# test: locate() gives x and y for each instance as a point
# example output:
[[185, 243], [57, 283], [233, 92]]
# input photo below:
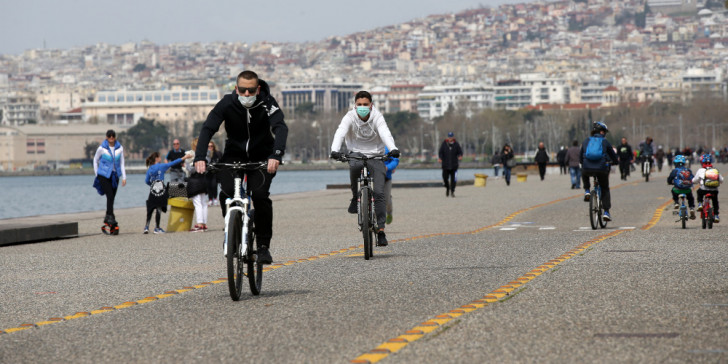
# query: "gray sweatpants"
[[378, 173]]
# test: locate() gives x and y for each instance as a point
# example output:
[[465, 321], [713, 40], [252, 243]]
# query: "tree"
[[89, 149], [140, 67], [145, 137], [402, 122]]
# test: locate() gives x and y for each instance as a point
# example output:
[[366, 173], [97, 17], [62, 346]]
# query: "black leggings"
[[688, 196], [713, 197], [150, 210], [448, 177], [110, 193], [259, 184]]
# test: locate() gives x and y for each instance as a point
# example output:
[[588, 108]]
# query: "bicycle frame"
[[241, 204]]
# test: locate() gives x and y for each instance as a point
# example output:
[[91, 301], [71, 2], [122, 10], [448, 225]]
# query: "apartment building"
[[699, 81], [19, 108], [397, 98], [124, 108], [434, 101], [326, 97]]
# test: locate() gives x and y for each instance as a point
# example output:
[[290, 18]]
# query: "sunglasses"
[[251, 90]]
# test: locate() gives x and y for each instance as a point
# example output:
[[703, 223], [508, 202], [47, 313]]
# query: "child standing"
[[709, 179], [682, 179], [158, 193]]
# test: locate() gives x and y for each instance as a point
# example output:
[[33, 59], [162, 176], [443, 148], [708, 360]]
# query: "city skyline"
[[52, 24]]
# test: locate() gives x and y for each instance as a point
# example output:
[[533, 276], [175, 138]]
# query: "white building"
[[19, 108], [326, 97], [433, 101]]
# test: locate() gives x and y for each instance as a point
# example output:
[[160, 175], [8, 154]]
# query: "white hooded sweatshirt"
[[366, 137]]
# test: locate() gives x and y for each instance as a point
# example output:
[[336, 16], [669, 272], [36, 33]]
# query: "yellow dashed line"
[[393, 345]]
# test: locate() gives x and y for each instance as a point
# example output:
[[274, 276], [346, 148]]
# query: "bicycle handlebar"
[[248, 166], [346, 158]]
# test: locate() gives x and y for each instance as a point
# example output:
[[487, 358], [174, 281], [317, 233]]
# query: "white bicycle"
[[240, 230]]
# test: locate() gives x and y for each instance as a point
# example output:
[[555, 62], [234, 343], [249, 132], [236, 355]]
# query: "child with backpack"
[[158, 192], [681, 178], [709, 179]]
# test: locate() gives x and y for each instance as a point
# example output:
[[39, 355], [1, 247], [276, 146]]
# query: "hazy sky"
[[27, 24]]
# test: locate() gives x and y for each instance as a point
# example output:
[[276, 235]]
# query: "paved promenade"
[[497, 274]]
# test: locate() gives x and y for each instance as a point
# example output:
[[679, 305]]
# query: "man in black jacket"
[[256, 132], [450, 154], [541, 159]]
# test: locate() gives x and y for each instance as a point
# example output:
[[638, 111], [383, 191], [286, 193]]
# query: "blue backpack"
[[683, 178], [594, 149]]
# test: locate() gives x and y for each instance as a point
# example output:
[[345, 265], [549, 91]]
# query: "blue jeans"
[[575, 176], [507, 174]]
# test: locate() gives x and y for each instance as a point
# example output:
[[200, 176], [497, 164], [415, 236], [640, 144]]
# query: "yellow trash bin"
[[181, 213], [521, 177], [480, 180]]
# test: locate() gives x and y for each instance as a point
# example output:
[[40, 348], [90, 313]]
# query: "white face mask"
[[247, 101]]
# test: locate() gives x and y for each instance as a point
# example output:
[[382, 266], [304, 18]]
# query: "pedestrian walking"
[[450, 155], [508, 161], [213, 156], [561, 159], [626, 158], [572, 160], [541, 159], [197, 191], [496, 162]]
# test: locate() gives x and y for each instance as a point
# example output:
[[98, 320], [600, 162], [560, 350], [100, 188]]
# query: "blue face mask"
[[363, 111]]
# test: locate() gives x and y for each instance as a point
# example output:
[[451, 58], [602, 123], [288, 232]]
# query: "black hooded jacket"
[[254, 134]]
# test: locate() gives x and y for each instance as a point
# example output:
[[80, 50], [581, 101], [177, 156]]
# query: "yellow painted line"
[[384, 350], [657, 215]]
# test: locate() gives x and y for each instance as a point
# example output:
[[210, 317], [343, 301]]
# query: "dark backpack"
[[594, 149], [683, 178]]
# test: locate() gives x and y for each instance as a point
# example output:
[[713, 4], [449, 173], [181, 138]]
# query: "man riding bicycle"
[[647, 151], [365, 132], [599, 165], [256, 132]]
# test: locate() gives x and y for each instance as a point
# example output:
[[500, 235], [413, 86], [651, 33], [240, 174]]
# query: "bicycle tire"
[[255, 270], [594, 210], [710, 218], [683, 217], [365, 222], [704, 218], [602, 223], [234, 256]]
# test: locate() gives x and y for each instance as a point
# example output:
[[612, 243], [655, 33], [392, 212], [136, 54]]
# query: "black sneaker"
[[264, 255], [382, 239], [352, 206]]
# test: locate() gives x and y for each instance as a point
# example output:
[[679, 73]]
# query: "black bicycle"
[[240, 230], [365, 201], [596, 219]]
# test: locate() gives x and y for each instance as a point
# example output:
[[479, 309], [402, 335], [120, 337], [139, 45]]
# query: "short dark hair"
[[110, 133], [363, 95], [575, 143], [248, 75]]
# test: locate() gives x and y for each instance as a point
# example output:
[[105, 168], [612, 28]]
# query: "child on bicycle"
[[709, 179], [365, 132], [681, 178], [157, 200]]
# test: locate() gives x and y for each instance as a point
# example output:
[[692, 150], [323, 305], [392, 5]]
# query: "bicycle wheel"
[[234, 255], [704, 218], [600, 217], [365, 222], [683, 216], [255, 270], [710, 218], [594, 210]]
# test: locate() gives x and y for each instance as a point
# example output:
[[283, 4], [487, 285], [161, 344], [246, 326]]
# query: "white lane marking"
[[508, 229], [547, 228], [626, 228]]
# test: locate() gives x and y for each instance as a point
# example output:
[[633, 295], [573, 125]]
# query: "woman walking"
[[197, 192], [158, 193], [108, 165], [213, 156], [508, 162]]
